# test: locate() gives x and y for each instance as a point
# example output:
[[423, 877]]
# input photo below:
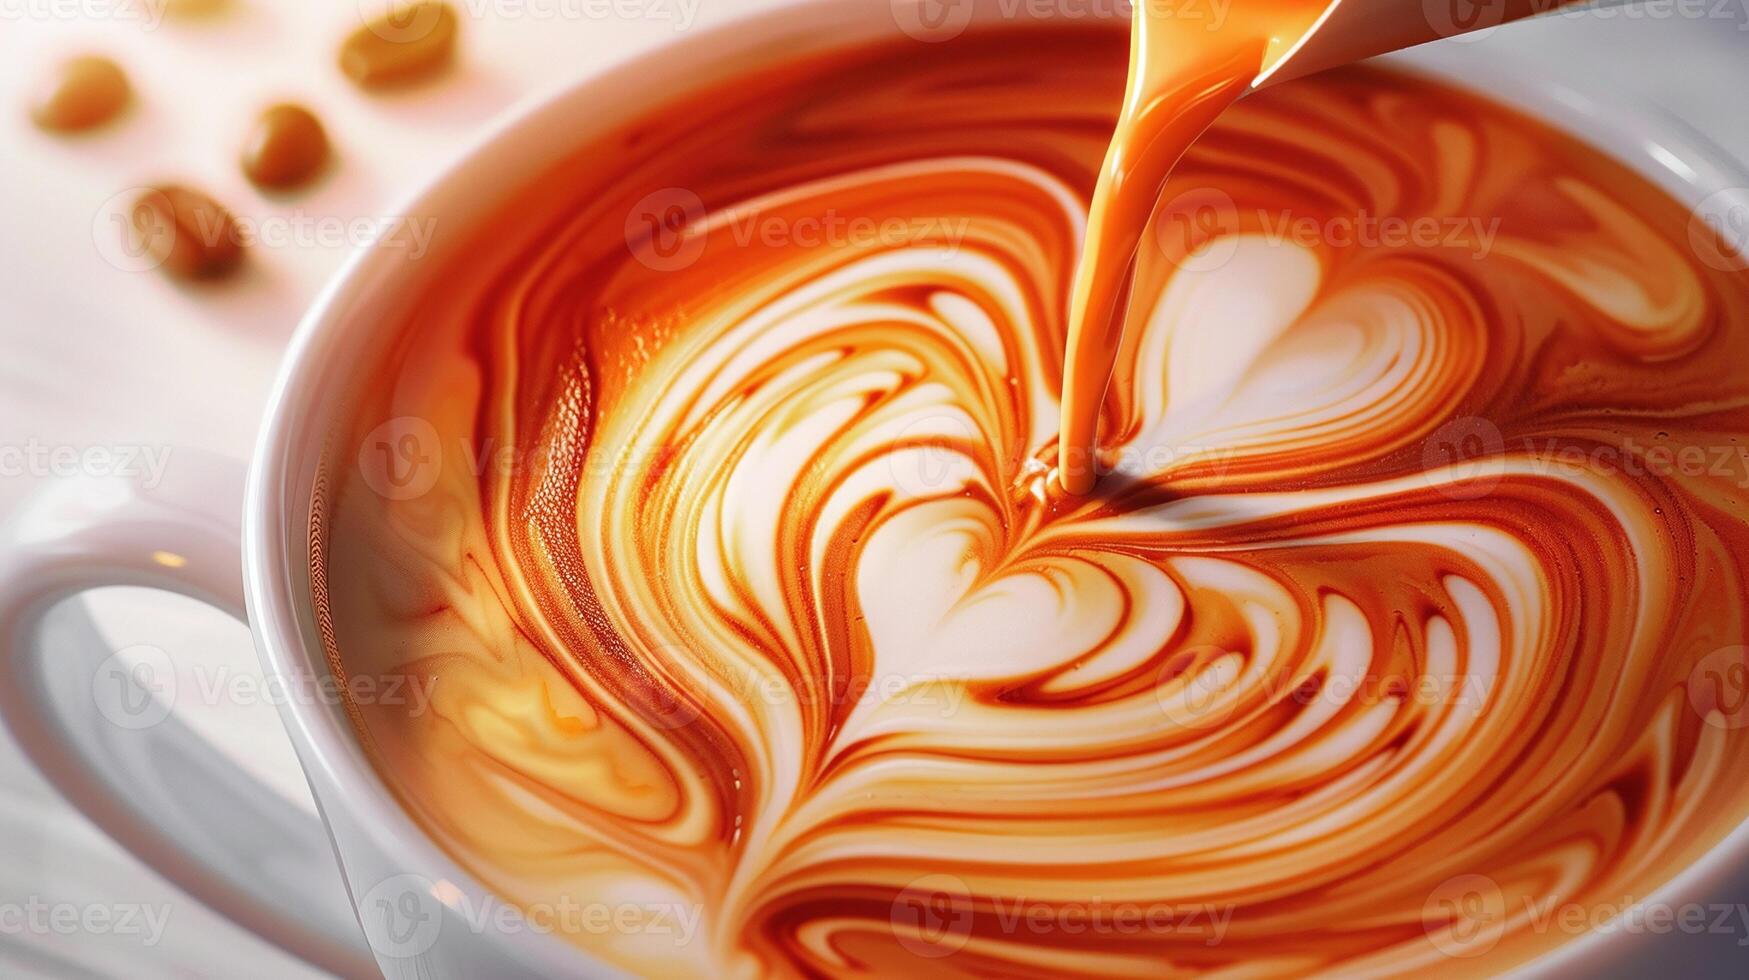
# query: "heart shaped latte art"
[[1402, 620]]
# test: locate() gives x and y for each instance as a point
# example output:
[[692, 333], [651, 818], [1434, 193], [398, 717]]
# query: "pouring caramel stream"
[[1184, 71], [1187, 64]]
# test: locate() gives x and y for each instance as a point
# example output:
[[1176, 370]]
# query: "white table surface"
[[96, 356]]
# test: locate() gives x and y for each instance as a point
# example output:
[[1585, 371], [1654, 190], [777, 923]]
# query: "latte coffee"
[[708, 489]]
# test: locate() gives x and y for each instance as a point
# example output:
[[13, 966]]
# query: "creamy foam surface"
[[742, 586]]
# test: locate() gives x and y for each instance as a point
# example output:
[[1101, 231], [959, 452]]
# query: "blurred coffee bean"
[[191, 235], [406, 44], [83, 92], [286, 148]]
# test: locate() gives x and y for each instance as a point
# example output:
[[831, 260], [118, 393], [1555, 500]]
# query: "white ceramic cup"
[[190, 813]]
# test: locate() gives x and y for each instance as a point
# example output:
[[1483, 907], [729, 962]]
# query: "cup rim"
[[287, 444]]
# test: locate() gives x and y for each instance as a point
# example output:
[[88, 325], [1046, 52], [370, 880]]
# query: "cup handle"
[[91, 724]]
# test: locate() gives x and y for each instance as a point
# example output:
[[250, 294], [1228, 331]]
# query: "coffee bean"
[[194, 8], [82, 93], [286, 148], [191, 235], [406, 44]]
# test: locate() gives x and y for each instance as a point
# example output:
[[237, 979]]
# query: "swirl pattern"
[[745, 590]]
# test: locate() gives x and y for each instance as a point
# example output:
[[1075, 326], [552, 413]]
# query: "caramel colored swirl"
[[1407, 621]]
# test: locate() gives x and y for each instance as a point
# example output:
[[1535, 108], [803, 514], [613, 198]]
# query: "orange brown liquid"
[[1188, 63], [1184, 72], [746, 592]]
